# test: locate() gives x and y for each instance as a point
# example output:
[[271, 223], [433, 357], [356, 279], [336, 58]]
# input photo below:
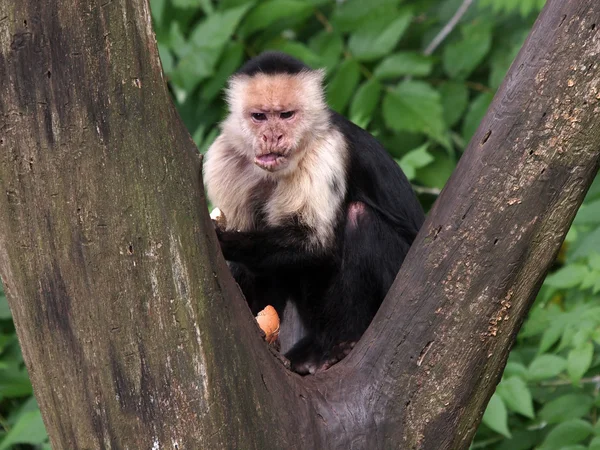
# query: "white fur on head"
[[304, 88], [301, 93], [311, 188]]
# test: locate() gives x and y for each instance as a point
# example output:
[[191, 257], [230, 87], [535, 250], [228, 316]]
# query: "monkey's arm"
[[275, 247]]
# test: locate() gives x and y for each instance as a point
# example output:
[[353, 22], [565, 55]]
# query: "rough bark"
[[135, 335]]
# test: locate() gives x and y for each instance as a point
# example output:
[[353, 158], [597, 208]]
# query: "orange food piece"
[[268, 321]]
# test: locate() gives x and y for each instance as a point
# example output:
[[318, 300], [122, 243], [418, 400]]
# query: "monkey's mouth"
[[270, 161]]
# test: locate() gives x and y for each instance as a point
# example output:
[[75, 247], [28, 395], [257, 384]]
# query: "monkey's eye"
[[259, 117], [287, 115]]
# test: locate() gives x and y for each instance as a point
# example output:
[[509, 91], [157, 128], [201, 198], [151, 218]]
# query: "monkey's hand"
[[229, 241], [218, 218], [247, 247]]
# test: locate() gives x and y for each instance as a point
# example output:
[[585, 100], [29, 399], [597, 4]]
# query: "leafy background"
[[424, 103]]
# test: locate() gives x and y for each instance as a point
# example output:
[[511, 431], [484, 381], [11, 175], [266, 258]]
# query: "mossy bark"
[[135, 335]]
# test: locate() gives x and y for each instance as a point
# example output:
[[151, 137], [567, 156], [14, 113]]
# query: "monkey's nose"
[[272, 138]]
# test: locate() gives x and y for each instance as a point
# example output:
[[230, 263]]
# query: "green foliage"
[[462, 56], [496, 416], [20, 419]]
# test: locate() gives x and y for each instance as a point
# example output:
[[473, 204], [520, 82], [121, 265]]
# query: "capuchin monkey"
[[318, 216]]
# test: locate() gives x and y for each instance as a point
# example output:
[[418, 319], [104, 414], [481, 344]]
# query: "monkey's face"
[[275, 134], [279, 116]]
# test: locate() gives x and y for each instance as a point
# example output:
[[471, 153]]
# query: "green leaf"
[[496, 416], [414, 160], [14, 383], [568, 276], [567, 433], [546, 366], [297, 50], [329, 47], [194, 68], [415, 106], [216, 30], [594, 444], [461, 57], [525, 7], [594, 259], [579, 361], [208, 140], [517, 396], [475, 113], [567, 338], [587, 245], [5, 339], [364, 102], [176, 41], [269, 12], [588, 214], [596, 288], [521, 440], [551, 335], [352, 15], [404, 63], [437, 173], [207, 7], [166, 58], [199, 57], [455, 99], [584, 333], [185, 4], [589, 280], [379, 37], [566, 407], [515, 369], [342, 86], [4, 308], [157, 8], [29, 429], [231, 60]]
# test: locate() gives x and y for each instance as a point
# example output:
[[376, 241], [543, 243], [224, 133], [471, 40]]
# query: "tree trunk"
[[133, 331]]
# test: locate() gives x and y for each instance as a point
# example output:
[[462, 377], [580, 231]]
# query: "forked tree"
[[133, 331]]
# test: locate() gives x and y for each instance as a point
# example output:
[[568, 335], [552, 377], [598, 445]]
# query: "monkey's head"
[[277, 108]]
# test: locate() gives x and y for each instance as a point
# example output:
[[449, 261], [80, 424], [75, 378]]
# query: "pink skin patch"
[[355, 211]]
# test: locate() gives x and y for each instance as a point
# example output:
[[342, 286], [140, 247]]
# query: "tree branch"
[[447, 29]]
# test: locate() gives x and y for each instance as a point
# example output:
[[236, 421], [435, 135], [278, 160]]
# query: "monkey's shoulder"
[[376, 179]]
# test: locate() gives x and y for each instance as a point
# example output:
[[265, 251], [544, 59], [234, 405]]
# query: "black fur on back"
[[376, 180], [271, 63]]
